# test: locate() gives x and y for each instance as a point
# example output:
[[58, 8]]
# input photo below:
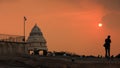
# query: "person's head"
[[108, 36]]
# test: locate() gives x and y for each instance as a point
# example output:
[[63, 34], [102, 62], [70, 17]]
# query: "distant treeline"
[[63, 53]]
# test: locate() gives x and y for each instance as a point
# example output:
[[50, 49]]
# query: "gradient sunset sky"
[[67, 25]]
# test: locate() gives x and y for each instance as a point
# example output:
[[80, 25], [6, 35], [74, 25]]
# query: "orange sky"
[[67, 25]]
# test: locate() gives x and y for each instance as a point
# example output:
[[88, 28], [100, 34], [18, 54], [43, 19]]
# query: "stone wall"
[[13, 48]]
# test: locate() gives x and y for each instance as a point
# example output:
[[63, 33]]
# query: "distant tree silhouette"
[[91, 56], [62, 53], [59, 53], [117, 56]]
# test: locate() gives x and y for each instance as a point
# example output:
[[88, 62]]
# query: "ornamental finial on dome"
[[35, 24]]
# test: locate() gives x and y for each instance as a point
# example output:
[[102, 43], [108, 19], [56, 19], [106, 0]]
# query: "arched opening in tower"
[[40, 52], [31, 52]]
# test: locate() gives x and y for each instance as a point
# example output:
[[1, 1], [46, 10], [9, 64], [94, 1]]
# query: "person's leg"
[[109, 52], [105, 52]]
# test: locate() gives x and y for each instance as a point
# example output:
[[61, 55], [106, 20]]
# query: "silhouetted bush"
[[91, 56], [117, 56]]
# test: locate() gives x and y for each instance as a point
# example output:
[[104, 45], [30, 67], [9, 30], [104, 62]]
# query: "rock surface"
[[56, 62]]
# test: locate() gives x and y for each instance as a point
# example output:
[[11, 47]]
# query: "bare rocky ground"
[[57, 62]]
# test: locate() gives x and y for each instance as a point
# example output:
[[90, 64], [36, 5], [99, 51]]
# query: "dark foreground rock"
[[56, 62]]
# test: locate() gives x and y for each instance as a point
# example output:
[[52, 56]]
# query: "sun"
[[100, 24]]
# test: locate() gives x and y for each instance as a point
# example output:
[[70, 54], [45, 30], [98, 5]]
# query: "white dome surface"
[[36, 35]]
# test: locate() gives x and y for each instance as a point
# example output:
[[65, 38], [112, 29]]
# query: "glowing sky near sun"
[[100, 24], [67, 25]]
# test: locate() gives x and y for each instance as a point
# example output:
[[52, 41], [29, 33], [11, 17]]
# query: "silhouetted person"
[[107, 46]]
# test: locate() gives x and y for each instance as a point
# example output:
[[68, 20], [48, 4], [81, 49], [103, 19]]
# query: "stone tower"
[[36, 41]]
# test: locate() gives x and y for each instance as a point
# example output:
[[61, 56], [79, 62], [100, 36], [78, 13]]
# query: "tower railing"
[[11, 38]]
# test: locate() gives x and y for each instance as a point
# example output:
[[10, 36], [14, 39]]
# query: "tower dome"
[[35, 31], [36, 35]]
